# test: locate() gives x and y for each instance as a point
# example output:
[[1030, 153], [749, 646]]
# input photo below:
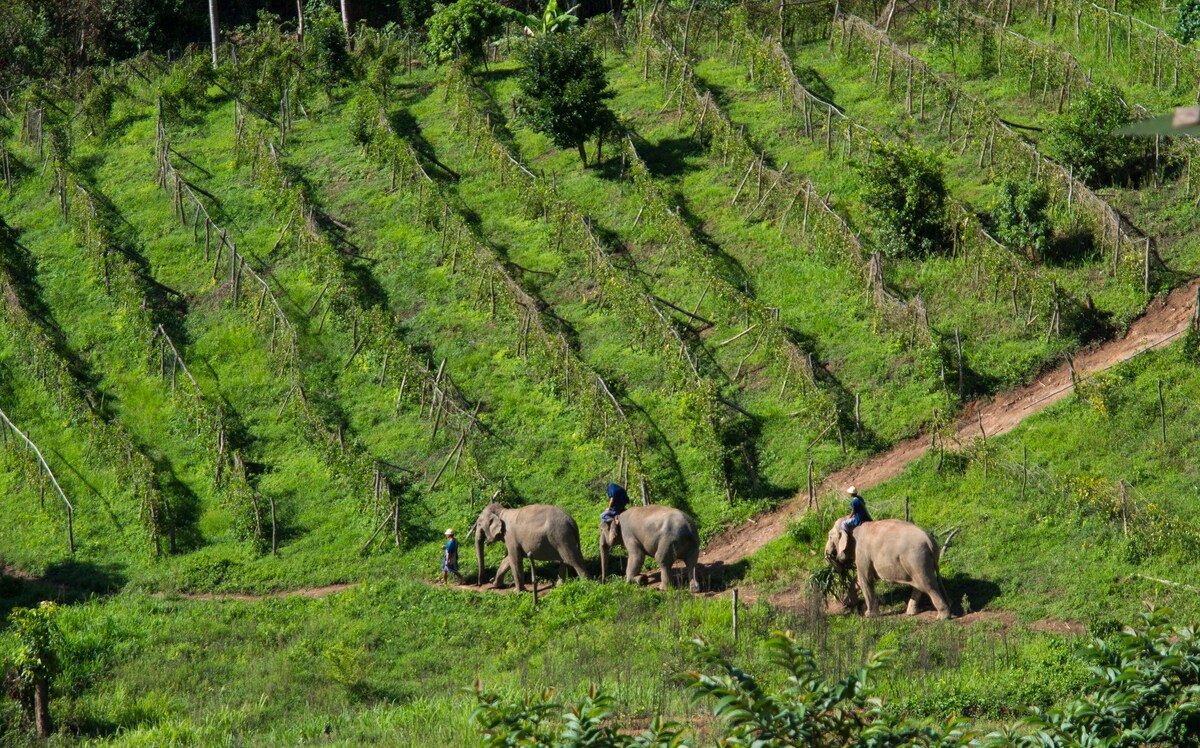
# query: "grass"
[[385, 660]]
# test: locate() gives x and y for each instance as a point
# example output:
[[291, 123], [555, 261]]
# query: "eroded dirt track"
[[1166, 318]]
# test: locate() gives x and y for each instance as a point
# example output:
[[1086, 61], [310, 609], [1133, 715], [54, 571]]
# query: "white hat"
[[449, 531], [852, 491]]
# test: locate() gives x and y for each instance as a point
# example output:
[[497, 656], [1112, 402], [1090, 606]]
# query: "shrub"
[[1021, 220], [905, 189], [1187, 25], [325, 43], [1083, 138], [462, 28], [1142, 691], [563, 90]]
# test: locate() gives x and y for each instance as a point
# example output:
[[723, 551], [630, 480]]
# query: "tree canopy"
[[564, 90]]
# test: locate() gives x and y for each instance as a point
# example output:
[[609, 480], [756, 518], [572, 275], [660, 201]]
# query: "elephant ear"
[[495, 527], [843, 544]]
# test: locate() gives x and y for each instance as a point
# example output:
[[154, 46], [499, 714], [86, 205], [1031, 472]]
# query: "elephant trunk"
[[479, 554], [603, 560]]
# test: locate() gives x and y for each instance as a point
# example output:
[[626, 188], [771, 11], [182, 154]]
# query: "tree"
[[1083, 138], [1021, 220], [563, 90], [34, 657], [1187, 25], [905, 189], [346, 17], [461, 29], [213, 29]]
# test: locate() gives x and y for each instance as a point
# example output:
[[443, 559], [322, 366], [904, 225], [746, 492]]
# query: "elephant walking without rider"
[[663, 532], [539, 531], [894, 551]]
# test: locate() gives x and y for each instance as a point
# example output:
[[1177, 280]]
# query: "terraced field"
[[268, 331]]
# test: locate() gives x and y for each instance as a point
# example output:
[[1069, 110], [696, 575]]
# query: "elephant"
[[895, 551], [539, 531], [663, 532]]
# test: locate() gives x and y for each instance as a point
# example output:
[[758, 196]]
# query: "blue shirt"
[[620, 499], [451, 550], [859, 509]]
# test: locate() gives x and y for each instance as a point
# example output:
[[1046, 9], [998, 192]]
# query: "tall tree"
[[563, 91], [215, 31], [300, 18], [346, 17]]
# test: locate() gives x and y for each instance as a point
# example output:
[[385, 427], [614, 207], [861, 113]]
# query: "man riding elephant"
[[858, 511], [618, 499]]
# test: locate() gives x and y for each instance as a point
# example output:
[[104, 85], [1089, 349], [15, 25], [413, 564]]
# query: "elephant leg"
[[692, 562], [937, 595], [633, 567], [866, 583], [665, 559], [914, 601], [502, 572], [517, 564], [533, 573], [562, 574]]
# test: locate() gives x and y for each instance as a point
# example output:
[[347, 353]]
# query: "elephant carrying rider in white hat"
[[858, 511]]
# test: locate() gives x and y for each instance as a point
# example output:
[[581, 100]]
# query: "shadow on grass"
[[65, 582]]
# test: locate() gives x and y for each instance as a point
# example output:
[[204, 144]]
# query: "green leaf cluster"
[[1084, 140], [461, 29], [1020, 215], [564, 91], [905, 190], [1187, 24], [1143, 691]]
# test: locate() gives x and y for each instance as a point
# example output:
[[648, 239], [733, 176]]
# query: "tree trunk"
[[216, 33], [582, 153], [346, 18], [300, 19], [41, 707]]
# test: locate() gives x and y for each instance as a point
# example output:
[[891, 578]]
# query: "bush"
[[1187, 25], [905, 189], [563, 90], [1142, 691], [1083, 138], [462, 28], [1020, 215], [325, 43]]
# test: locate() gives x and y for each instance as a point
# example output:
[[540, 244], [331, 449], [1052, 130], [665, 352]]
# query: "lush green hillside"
[[275, 327]]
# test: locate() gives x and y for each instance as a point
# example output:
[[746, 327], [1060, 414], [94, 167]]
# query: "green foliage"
[[35, 642], [550, 21], [1142, 692], [184, 90], [1083, 138], [564, 89], [461, 29], [325, 42], [1020, 216], [905, 189], [1187, 23]]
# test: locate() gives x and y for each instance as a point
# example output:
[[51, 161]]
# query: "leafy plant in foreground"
[[1144, 691]]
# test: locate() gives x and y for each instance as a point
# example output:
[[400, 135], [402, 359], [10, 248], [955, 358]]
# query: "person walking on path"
[[858, 511], [450, 558], [618, 499]]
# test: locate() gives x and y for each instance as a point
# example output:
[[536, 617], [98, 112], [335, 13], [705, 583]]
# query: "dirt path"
[[1163, 320]]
